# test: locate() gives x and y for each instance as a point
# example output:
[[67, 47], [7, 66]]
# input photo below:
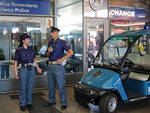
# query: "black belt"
[[28, 66]]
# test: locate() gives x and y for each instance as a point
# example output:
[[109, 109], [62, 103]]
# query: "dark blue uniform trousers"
[[26, 81], [56, 73]]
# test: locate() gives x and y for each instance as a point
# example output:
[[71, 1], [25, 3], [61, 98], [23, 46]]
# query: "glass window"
[[10, 29], [114, 50], [69, 20], [118, 26], [95, 39], [140, 53]]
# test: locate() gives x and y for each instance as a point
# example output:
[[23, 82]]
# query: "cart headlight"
[[78, 86], [92, 92]]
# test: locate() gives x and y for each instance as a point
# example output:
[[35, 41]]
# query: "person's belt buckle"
[[29, 67], [52, 62]]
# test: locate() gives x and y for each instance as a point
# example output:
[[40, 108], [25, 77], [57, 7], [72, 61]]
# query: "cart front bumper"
[[85, 94]]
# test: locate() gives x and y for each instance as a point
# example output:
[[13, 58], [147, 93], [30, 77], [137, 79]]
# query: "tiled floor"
[[10, 105]]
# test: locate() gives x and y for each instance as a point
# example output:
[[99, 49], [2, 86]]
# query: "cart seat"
[[141, 60], [139, 76]]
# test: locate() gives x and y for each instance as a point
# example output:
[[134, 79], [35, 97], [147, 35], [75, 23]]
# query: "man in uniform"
[[56, 71]]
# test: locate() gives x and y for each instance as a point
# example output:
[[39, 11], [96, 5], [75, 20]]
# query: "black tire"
[[106, 101]]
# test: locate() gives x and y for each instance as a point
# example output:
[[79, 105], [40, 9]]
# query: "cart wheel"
[[108, 103]]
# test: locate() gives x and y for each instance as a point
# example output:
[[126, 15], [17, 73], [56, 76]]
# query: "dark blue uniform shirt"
[[58, 49], [24, 56]]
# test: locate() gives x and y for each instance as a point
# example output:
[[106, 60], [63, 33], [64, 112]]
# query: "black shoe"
[[29, 106], [23, 108], [63, 107], [49, 104]]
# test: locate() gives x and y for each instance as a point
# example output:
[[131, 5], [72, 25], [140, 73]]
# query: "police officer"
[[56, 71], [25, 59]]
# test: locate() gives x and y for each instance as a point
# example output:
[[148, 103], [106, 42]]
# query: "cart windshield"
[[114, 50]]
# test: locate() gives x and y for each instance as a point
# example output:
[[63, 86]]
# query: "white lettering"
[[116, 12], [121, 13], [22, 10], [4, 4], [7, 10], [24, 5]]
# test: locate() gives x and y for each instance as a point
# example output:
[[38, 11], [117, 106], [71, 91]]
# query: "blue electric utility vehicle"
[[121, 72]]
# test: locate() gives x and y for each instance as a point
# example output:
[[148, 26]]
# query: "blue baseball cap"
[[54, 29], [24, 36]]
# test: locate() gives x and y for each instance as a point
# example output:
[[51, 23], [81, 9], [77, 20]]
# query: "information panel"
[[25, 7]]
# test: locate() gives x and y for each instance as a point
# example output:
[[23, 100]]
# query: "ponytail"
[[20, 44]]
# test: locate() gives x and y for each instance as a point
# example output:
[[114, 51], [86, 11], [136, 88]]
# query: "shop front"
[[124, 19], [103, 18], [35, 17], [95, 30], [17, 17], [128, 15]]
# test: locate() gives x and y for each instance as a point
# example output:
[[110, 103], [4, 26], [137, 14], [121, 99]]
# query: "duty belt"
[[52, 62], [28, 65]]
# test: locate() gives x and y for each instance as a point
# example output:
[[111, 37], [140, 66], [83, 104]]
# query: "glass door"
[[94, 36], [10, 29]]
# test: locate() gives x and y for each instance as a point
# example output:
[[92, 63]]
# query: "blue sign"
[[127, 13], [25, 7]]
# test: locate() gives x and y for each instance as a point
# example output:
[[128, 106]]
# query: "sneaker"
[[63, 107], [47, 104], [23, 108], [29, 106]]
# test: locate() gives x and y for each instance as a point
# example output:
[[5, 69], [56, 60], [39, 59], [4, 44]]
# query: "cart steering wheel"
[[129, 63], [113, 64]]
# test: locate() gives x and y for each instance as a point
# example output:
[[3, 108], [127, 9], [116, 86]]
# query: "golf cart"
[[121, 72]]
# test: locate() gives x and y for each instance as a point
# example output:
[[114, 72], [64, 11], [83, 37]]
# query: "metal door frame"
[[85, 34]]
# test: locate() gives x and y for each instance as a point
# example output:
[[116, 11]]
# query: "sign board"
[[49, 22], [127, 13], [95, 8], [25, 7]]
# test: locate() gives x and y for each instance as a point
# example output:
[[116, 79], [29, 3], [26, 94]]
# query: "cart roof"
[[132, 33]]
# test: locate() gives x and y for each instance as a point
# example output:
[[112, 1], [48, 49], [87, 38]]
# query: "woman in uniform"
[[24, 70]]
